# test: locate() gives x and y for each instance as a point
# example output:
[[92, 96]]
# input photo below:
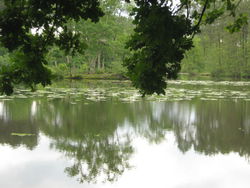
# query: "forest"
[[124, 40], [124, 93], [104, 45], [218, 52]]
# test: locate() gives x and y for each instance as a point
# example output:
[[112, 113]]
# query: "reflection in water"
[[98, 136], [14, 120], [218, 127], [3, 112], [88, 136], [96, 157], [33, 108]]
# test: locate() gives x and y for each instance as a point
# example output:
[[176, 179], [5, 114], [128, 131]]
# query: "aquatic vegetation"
[[22, 134], [178, 90], [98, 130]]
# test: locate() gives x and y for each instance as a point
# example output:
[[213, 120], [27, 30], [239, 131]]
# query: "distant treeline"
[[104, 48], [219, 52]]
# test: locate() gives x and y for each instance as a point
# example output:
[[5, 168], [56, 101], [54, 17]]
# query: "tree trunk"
[[103, 66], [70, 68], [99, 61], [92, 64]]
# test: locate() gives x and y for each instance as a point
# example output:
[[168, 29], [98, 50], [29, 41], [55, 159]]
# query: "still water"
[[98, 135]]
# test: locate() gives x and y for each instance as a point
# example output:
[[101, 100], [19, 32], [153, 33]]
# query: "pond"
[[103, 134]]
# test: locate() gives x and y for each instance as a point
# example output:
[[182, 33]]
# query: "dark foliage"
[[163, 33], [158, 46], [48, 21]]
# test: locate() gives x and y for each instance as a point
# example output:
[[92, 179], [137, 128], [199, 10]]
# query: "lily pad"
[[22, 134]]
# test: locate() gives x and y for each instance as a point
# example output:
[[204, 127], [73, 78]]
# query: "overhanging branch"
[[200, 19]]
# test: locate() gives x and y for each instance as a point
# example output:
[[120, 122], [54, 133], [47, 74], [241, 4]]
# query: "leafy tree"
[[20, 17], [219, 52], [163, 33], [105, 43], [193, 62], [105, 39]]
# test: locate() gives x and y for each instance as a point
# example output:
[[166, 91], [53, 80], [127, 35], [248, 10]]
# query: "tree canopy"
[[164, 31]]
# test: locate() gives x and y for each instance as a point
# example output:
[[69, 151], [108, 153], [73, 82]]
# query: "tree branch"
[[201, 15]]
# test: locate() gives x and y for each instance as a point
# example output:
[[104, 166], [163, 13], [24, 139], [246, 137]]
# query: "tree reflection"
[[89, 136], [212, 127], [15, 118], [98, 137], [97, 157]]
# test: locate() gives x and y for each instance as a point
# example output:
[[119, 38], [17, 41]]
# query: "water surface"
[[105, 135]]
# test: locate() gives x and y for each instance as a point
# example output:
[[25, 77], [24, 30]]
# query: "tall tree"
[[48, 21], [224, 53], [152, 58]]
